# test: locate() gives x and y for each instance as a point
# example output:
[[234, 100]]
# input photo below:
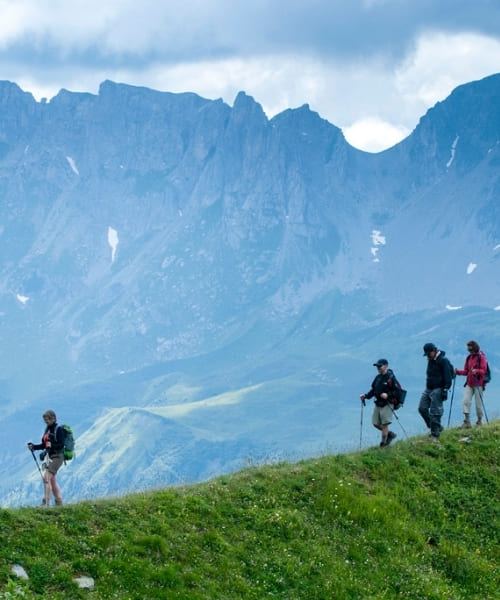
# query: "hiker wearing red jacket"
[[475, 370]]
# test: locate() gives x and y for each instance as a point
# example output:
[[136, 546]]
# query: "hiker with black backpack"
[[439, 377], [475, 369], [385, 389], [52, 447]]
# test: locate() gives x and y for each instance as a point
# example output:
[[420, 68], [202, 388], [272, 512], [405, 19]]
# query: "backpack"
[[487, 375], [398, 399], [451, 367], [69, 441]]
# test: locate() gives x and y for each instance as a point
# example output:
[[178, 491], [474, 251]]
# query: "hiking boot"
[[466, 424], [59, 502], [479, 422], [390, 436], [385, 442], [433, 438], [43, 504]]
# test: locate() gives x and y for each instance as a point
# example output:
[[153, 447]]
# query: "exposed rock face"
[[161, 249]]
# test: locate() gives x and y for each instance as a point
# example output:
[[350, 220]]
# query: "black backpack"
[[451, 367], [487, 375], [398, 397]]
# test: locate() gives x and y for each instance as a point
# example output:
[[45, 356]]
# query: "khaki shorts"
[[382, 415], [54, 463]]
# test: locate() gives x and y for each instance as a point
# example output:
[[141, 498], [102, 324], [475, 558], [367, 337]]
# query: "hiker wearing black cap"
[[438, 382], [383, 388]]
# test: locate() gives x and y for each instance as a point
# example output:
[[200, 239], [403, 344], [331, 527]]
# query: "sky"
[[370, 67]]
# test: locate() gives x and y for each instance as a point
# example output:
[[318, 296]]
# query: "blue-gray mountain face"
[[195, 287]]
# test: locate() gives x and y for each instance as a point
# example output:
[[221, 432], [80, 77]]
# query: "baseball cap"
[[429, 347], [380, 362]]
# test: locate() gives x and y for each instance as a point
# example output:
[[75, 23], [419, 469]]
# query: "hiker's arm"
[[465, 370], [32, 446]]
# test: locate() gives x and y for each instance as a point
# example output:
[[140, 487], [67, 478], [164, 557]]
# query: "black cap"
[[380, 362], [429, 347]]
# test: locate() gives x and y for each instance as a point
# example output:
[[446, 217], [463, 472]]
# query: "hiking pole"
[[397, 419], [482, 402], [451, 401], [363, 404], [37, 465]]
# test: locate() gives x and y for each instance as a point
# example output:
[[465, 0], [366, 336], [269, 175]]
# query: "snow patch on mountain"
[[451, 307], [22, 299], [113, 241], [72, 164], [471, 268], [377, 240], [453, 148]]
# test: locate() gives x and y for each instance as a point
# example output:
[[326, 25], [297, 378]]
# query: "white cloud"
[[373, 82], [441, 62], [373, 134]]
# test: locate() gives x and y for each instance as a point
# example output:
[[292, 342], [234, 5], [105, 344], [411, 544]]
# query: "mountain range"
[[195, 287]]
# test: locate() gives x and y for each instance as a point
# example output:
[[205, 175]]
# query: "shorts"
[[54, 463], [382, 415]]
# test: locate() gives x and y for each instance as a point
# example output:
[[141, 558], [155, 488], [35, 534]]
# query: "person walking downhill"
[[475, 370], [438, 382], [52, 445], [383, 388]]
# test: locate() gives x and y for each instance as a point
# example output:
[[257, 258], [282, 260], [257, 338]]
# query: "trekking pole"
[[451, 401], [397, 419], [37, 465], [361, 424], [482, 402]]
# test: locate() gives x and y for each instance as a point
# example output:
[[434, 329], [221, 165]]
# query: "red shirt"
[[477, 362]]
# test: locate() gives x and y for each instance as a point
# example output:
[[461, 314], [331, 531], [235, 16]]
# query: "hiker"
[[383, 388], [438, 382], [475, 370], [52, 455]]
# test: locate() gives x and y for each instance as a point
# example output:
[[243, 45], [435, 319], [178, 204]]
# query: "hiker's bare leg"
[[56, 490], [46, 487]]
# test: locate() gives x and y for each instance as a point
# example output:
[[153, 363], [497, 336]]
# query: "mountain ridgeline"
[[194, 285]]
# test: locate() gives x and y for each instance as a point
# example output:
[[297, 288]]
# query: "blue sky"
[[371, 67]]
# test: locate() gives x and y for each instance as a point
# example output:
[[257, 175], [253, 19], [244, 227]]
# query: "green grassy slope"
[[415, 520]]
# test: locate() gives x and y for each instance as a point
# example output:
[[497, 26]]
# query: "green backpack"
[[69, 441]]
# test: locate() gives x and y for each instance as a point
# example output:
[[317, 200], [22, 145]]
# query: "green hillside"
[[415, 520]]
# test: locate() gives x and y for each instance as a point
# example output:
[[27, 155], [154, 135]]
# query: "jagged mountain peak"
[[468, 118], [193, 245]]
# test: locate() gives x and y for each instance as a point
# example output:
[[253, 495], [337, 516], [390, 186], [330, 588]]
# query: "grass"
[[415, 520]]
